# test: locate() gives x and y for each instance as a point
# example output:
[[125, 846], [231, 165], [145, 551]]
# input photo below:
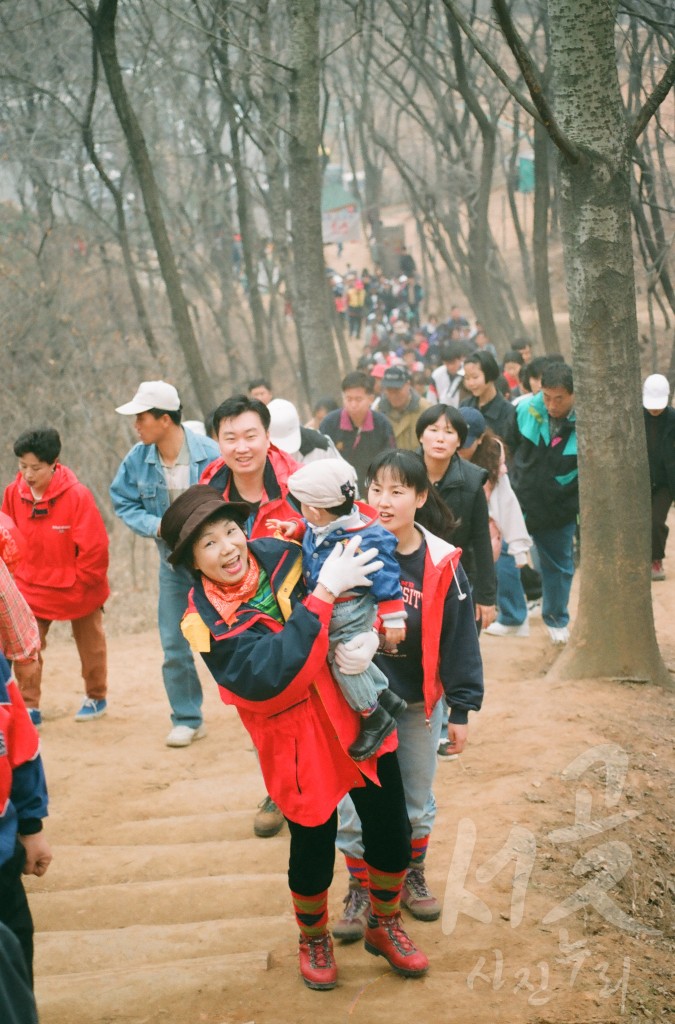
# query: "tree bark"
[[103, 27], [319, 362], [614, 632]]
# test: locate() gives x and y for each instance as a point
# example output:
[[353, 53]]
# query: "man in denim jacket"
[[168, 459]]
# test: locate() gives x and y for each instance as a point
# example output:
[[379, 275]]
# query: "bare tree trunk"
[[117, 198], [103, 27], [490, 313], [311, 311], [542, 281], [250, 242], [614, 633]]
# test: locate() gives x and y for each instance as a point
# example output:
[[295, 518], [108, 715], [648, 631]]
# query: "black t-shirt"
[[234, 495], [404, 669]]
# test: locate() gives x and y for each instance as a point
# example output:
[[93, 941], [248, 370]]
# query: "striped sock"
[[419, 850], [385, 891], [311, 913], [356, 866], [367, 712]]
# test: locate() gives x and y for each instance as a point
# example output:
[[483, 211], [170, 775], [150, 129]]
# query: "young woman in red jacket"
[[439, 657]]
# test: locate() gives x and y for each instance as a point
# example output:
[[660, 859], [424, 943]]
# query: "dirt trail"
[[161, 906]]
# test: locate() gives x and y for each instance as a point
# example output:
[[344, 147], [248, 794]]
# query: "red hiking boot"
[[385, 936], [317, 963]]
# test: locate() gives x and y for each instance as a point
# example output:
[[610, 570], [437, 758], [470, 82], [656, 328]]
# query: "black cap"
[[395, 377]]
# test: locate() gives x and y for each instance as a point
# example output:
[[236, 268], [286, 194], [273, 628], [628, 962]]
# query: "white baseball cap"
[[655, 392], [284, 425], [152, 394], [323, 484]]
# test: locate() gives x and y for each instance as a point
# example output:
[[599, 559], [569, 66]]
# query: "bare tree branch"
[[490, 59], [519, 51], [654, 100]]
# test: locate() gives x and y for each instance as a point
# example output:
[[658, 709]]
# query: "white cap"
[[284, 425], [196, 426], [656, 392], [152, 394], [326, 483]]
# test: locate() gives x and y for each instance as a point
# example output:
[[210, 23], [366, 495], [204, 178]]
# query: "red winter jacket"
[[451, 659], [275, 503], [63, 574], [278, 679]]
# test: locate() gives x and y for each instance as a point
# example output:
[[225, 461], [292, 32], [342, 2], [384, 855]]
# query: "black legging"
[[386, 833], [662, 499], [16, 996], [14, 909]]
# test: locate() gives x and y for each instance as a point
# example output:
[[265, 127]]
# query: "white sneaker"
[[559, 634], [499, 629], [183, 735], [534, 607]]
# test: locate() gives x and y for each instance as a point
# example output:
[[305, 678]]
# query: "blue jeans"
[[511, 600], [556, 559], [181, 681], [417, 745], [348, 619]]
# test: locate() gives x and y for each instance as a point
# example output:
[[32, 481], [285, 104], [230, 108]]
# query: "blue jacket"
[[386, 588], [23, 791], [139, 493]]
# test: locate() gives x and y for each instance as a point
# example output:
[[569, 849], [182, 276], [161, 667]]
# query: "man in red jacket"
[[63, 571], [253, 470]]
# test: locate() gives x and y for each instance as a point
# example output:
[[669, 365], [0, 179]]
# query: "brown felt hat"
[[191, 509]]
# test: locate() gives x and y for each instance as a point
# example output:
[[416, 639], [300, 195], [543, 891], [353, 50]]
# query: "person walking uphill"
[[252, 469], [439, 656], [62, 572], [401, 404], [23, 797], [265, 643], [165, 462], [660, 429], [546, 482]]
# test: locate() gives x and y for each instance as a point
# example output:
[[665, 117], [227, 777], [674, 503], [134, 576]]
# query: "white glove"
[[354, 656], [347, 567]]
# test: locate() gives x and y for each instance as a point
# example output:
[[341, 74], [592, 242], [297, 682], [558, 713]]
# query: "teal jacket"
[[545, 475]]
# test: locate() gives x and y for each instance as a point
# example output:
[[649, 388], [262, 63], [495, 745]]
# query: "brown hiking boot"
[[352, 924], [416, 896], [269, 820]]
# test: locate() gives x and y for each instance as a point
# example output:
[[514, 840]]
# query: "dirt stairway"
[[146, 907]]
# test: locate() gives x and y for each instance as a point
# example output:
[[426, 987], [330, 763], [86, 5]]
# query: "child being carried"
[[326, 491]]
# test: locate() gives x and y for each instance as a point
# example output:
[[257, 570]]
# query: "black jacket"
[[500, 417], [661, 449], [461, 488], [358, 447]]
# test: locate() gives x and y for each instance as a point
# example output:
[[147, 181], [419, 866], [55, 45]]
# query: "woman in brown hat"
[[265, 642]]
